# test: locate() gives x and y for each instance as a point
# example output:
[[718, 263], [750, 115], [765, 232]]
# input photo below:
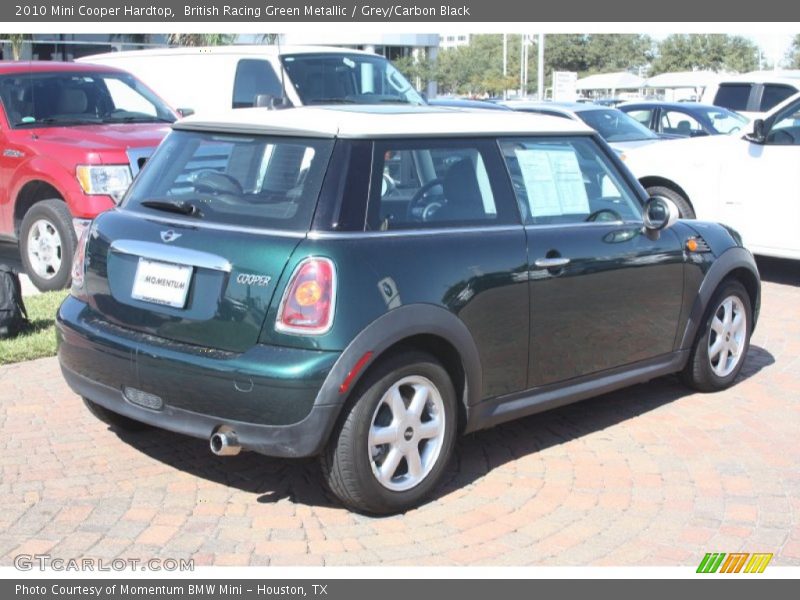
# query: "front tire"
[[684, 207], [394, 441], [47, 244], [720, 349]]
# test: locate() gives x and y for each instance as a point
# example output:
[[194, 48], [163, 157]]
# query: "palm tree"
[[17, 41], [199, 39]]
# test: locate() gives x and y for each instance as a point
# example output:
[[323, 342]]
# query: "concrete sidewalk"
[[653, 475]]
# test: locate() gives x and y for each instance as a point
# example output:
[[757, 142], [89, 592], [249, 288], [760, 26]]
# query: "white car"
[[750, 181], [752, 94], [217, 78]]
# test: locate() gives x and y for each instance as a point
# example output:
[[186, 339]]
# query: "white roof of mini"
[[376, 121], [256, 49]]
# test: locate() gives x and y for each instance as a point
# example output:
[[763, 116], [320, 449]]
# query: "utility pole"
[[540, 72]]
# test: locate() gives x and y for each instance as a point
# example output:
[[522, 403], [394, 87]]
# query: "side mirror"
[[759, 133], [659, 214], [185, 112]]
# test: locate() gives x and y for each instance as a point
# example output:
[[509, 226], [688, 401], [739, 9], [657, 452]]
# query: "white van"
[[753, 94], [215, 78]]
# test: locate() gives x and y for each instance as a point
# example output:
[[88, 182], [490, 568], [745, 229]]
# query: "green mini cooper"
[[367, 283]]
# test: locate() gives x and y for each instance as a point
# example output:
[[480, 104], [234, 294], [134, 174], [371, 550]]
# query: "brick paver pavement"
[[652, 475]]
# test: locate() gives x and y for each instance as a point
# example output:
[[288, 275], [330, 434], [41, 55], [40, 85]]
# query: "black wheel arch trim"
[[729, 261], [392, 328]]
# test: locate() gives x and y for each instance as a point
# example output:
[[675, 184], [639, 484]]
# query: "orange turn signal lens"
[[691, 245], [308, 293]]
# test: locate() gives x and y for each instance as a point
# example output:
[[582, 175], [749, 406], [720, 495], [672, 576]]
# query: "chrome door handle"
[[551, 263]]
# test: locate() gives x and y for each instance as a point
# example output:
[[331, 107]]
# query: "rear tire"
[[114, 420], [47, 244], [684, 207], [394, 440], [721, 346]]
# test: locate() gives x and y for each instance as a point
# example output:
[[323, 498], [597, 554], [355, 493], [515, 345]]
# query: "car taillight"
[[308, 303], [79, 260]]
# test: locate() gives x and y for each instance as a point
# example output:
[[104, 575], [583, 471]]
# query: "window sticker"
[[553, 181]]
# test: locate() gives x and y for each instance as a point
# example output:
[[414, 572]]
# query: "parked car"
[[622, 132], [685, 119], [748, 180], [753, 94], [216, 78], [366, 283], [73, 137]]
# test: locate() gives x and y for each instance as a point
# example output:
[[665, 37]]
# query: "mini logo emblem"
[[169, 235]]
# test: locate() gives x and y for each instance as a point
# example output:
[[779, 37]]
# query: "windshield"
[[724, 121], [615, 126], [79, 98], [250, 181], [348, 78]]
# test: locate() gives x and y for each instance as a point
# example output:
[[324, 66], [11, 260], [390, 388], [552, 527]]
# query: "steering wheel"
[[419, 208], [209, 181], [615, 216]]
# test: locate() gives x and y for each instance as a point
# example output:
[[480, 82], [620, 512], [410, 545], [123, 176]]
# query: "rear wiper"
[[183, 208]]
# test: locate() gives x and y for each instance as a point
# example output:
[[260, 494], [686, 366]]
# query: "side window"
[[786, 131], [774, 95], [680, 123], [254, 77], [643, 115], [733, 96], [567, 180], [437, 183]]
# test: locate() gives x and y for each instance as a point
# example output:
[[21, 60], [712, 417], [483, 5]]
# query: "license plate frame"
[[162, 283]]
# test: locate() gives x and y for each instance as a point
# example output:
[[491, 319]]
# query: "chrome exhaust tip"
[[225, 443]]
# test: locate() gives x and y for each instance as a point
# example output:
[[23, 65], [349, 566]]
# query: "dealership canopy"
[[611, 81], [684, 79]]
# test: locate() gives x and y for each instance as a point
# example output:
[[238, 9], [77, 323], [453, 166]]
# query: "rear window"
[[254, 78], [252, 181], [733, 96]]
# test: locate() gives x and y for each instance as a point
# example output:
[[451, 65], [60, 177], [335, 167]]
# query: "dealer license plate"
[[162, 283]]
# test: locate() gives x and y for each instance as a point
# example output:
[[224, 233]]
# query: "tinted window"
[[774, 95], [259, 181], [254, 77], [434, 184], [349, 78], [642, 115], [733, 95], [786, 131], [615, 126], [76, 98], [567, 180]]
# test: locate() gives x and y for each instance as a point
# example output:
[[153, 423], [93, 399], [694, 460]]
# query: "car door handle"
[[551, 263]]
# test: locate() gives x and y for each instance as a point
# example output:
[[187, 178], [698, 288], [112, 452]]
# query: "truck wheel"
[[721, 346], [47, 244], [393, 442], [685, 209], [115, 420]]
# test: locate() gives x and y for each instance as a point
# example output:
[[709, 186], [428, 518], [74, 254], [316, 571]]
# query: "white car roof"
[[791, 77], [234, 50], [375, 121]]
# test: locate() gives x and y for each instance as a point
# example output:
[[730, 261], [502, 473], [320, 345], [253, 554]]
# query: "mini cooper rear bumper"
[[270, 396]]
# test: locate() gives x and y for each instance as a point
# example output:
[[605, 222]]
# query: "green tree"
[[200, 39], [17, 43], [715, 52], [794, 53]]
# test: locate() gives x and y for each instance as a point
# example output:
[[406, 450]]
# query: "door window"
[[254, 77], [680, 123], [567, 180], [434, 184], [643, 115], [786, 132]]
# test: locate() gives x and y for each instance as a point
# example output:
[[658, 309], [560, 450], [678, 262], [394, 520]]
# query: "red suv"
[[72, 137]]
